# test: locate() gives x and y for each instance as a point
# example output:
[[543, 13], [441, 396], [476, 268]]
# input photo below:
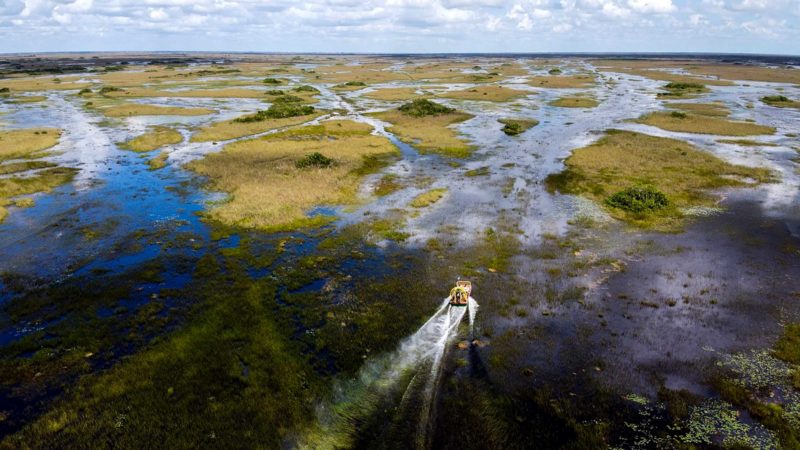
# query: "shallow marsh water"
[[572, 315]]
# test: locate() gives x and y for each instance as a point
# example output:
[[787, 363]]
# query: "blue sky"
[[735, 26]]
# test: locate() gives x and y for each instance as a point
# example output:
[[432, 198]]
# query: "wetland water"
[[591, 332]]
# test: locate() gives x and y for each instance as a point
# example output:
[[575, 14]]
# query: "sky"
[[402, 26]]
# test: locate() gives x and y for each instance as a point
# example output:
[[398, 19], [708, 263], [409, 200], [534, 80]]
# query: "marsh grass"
[[781, 101], [562, 81], [426, 127], [491, 93], [683, 89], [153, 139], [575, 102], [136, 109], [269, 191], [623, 159], [44, 181], [231, 129], [26, 142], [513, 127], [394, 94], [702, 109], [428, 198], [747, 143], [689, 123], [284, 107], [158, 162]]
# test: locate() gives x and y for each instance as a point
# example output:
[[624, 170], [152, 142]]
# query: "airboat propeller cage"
[[459, 295]]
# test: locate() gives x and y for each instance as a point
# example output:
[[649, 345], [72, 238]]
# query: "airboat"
[[459, 295]]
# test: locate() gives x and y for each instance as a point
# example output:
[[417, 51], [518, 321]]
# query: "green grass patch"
[[315, 159], [781, 101], [423, 107], [278, 110], [428, 198], [513, 127]]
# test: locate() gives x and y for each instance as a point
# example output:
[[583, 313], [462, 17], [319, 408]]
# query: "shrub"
[[272, 81], [275, 92], [638, 199], [5, 90], [512, 128], [422, 107], [288, 99], [555, 71], [677, 115], [306, 88], [775, 98], [106, 89], [355, 83], [85, 91], [279, 110], [315, 159], [679, 86]]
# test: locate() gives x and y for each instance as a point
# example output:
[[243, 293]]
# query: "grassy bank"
[[702, 124], [136, 109], [575, 102], [428, 131], [153, 139], [624, 172], [275, 179]]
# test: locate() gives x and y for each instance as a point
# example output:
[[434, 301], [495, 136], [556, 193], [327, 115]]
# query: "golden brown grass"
[[575, 102], [153, 139], [44, 181], [703, 109], [747, 143], [724, 71], [229, 129], [394, 94], [623, 159], [689, 123], [562, 81], [267, 188], [30, 84], [159, 161], [490, 93], [428, 198], [28, 99], [136, 109], [135, 92], [431, 134], [26, 142]]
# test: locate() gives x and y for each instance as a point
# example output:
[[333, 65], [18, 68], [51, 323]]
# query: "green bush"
[[5, 90], [84, 91], [677, 86], [422, 107], [106, 89], [275, 92], [678, 115], [286, 98], [775, 99], [306, 88], [355, 83], [512, 128], [315, 159], [638, 199], [555, 71], [272, 81], [278, 110]]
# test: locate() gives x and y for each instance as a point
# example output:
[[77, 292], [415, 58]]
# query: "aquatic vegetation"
[[153, 139], [718, 419], [138, 109], [387, 185], [350, 86], [23, 166], [268, 189], [575, 102], [306, 88], [426, 126], [479, 172], [788, 346], [513, 127], [274, 81], [688, 123], [44, 181], [781, 101], [624, 159], [491, 93], [677, 89], [158, 162], [428, 198]]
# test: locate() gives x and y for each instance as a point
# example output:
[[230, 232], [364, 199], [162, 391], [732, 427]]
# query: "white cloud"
[[651, 6]]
